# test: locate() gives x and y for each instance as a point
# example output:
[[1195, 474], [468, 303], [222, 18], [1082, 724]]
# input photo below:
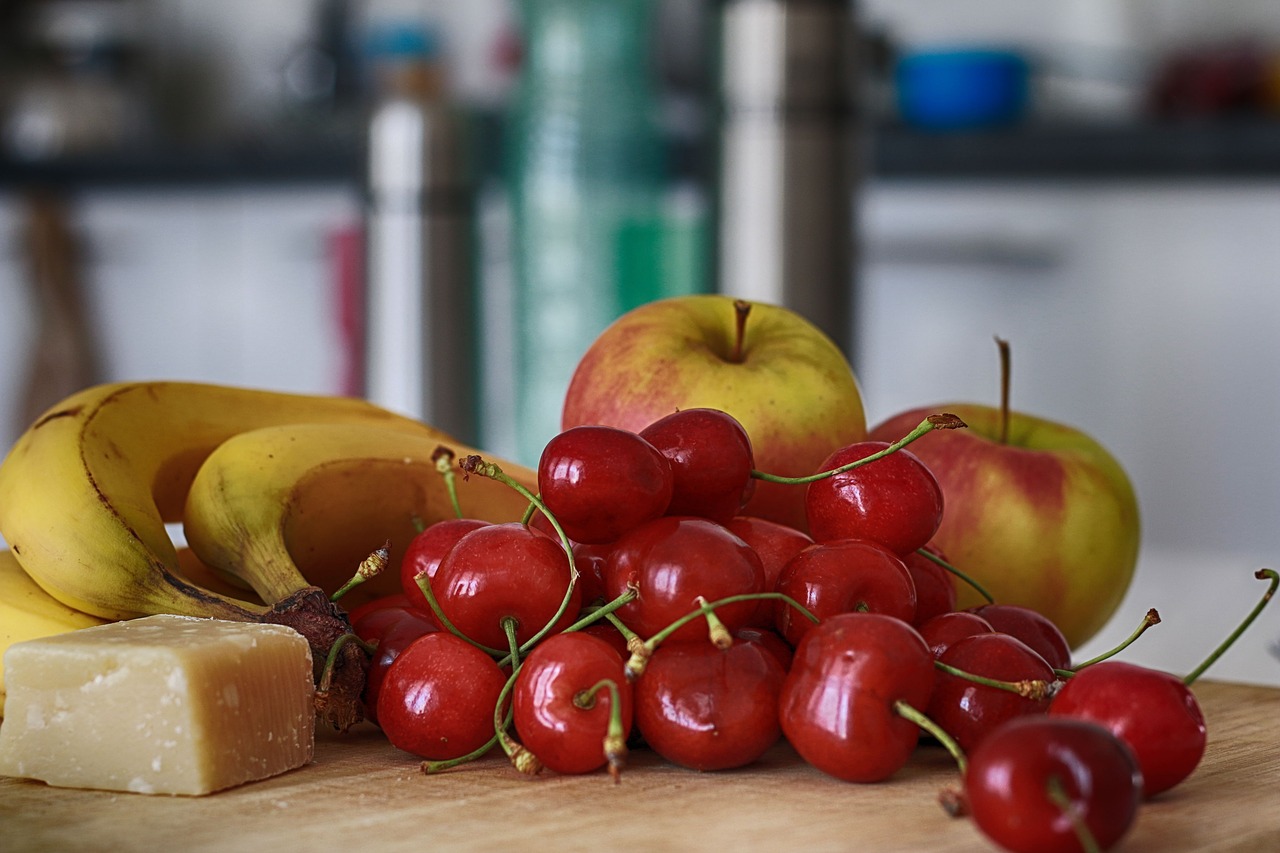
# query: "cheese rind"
[[159, 705]]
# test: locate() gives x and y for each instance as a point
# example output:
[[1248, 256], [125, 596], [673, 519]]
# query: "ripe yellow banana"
[[86, 491], [27, 612], [277, 504]]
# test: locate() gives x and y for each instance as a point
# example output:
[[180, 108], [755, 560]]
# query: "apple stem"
[[943, 420], [940, 734], [1058, 796], [741, 309], [1005, 373], [1151, 618], [1261, 574], [971, 581]]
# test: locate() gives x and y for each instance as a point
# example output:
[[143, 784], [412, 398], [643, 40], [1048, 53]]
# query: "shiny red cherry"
[[935, 586], [425, 551], [672, 562], [560, 711], [839, 704], [1154, 712], [708, 708], [600, 481], [776, 543], [838, 577], [969, 711], [504, 573], [392, 629], [946, 628], [894, 500], [438, 697], [1027, 779], [1031, 627], [711, 462]]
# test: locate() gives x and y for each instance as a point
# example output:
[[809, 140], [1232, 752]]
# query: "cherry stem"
[[509, 628], [641, 652], [1260, 574], [331, 659], [1031, 688], [929, 424], [437, 765], [741, 310], [1058, 796], [593, 615], [520, 757], [424, 584], [1006, 372], [969, 579], [940, 734], [474, 464], [369, 568], [1151, 618], [719, 635], [443, 459], [615, 738]]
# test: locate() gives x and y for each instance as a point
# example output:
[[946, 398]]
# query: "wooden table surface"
[[363, 794]]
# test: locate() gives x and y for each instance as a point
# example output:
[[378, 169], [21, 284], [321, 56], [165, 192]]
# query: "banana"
[[27, 612], [86, 491], [273, 505]]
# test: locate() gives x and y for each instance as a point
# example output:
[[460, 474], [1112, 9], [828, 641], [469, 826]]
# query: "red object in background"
[[1217, 80], [346, 252]]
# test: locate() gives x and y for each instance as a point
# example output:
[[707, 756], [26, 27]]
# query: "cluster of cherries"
[[636, 604]]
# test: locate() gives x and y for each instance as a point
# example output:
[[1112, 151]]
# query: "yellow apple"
[[786, 382], [1044, 517]]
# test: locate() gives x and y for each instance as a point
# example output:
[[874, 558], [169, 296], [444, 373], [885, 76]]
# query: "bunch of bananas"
[[280, 497]]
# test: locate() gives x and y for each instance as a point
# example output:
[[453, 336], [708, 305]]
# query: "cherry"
[[425, 551], [935, 586], [392, 629], [708, 708], [391, 600], [946, 628], [672, 564], [711, 462], [838, 577], [771, 640], [840, 702], [894, 500], [1037, 783], [590, 561], [438, 697], [1154, 712], [600, 481], [1031, 627], [776, 543], [502, 576], [563, 699], [969, 711]]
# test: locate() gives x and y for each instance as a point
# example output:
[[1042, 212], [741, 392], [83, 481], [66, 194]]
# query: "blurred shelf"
[[1175, 151]]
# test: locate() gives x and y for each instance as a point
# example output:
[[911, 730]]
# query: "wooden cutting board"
[[362, 794]]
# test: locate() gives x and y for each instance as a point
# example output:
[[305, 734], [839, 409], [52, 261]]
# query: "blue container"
[[962, 88]]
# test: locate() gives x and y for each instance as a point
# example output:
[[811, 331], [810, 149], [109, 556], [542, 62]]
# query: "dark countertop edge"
[[1173, 151]]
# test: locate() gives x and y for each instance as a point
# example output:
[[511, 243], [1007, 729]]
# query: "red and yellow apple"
[[785, 381], [1039, 513]]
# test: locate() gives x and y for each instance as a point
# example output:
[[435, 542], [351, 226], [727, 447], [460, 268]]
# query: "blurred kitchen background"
[[333, 196]]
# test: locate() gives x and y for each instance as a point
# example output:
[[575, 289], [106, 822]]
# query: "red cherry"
[[553, 716], [946, 628], [600, 481], [392, 629], [935, 586], [425, 551], [842, 576], [504, 572], [438, 697], [590, 561], [894, 500], [839, 702], [708, 708], [1032, 628], [770, 640], [711, 462], [673, 561], [776, 544], [1153, 712], [393, 600], [1011, 775], [969, 711]]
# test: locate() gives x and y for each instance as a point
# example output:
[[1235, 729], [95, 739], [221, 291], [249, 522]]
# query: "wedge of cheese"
[[159, 705]]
